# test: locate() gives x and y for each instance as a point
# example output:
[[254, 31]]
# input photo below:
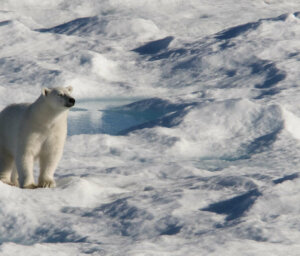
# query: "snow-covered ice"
[[185, 136]]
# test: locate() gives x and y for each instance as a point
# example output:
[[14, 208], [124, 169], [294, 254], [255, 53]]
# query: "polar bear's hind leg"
[[6, 164], [24, 164], [15, 177]]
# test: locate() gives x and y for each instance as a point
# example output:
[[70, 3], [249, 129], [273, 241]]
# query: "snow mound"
[[232, 129]]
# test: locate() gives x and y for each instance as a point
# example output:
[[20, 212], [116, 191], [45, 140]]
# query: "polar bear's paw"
[[47, 184], [14, 183], [30, 186], [8, 182]]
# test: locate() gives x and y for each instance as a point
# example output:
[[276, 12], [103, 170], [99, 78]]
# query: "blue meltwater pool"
[[116, 116]]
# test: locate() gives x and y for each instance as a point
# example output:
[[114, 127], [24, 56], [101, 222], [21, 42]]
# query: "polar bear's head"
[[59, 97]]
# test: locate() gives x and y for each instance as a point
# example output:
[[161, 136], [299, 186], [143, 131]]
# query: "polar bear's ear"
[[69, 88], [45, 91]]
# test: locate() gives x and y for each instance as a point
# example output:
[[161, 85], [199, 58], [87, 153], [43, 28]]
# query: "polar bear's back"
[[10, 119]]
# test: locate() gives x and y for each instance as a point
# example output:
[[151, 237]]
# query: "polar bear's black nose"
[[72, 101]]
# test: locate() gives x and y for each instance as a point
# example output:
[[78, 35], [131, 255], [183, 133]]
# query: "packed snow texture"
[[185, 135]]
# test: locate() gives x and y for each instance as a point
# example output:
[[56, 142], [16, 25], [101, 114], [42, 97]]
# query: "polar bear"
[[35, 131]]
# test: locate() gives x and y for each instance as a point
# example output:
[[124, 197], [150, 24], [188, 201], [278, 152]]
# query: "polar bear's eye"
[[60, 95]]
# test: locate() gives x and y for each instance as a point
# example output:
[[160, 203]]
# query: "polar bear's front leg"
[[48, 164], [50, 155], [24, 163]]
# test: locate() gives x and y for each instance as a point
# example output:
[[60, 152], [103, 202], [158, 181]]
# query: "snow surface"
[[185, 136]]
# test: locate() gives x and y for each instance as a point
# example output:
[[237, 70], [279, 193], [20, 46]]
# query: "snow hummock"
[[185, 135]]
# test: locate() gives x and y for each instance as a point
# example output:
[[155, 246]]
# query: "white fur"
[[30, 132]]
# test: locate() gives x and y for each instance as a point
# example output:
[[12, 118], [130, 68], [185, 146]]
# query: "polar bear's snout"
[[70, 102]]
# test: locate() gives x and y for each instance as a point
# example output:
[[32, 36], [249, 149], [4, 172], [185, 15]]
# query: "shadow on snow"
[[235, 207], [124, 219], [77, 26], [154, 47]]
